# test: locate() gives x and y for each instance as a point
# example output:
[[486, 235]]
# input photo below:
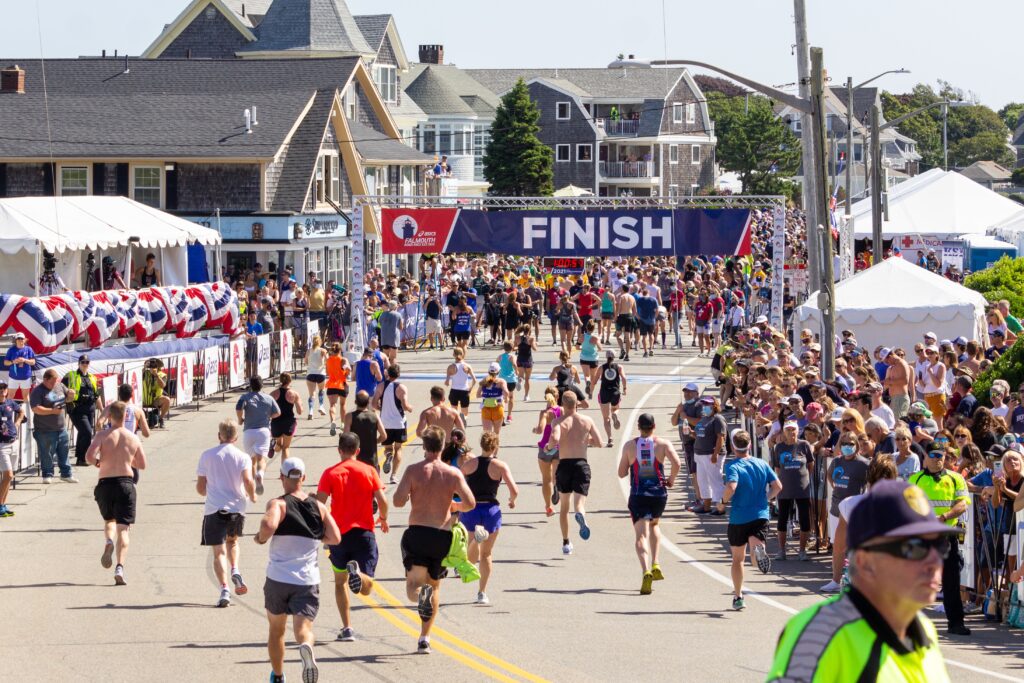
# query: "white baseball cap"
[[293, 468]]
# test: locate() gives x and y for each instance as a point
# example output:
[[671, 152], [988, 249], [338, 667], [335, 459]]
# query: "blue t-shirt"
[[646, 309], [752, 477], [19, 371], [8, 411], [880, 369], [253, 328], [968, 404]]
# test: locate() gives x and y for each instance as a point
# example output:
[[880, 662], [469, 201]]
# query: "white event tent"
[[72, 227], [895, 302], [936, 203]]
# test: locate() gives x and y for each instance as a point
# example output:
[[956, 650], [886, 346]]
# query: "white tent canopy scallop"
[[896, 302]]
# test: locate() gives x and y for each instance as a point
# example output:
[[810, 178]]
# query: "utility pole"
[[810, 181], [849, 144], [826, 295], [945, 139], [876, 186]]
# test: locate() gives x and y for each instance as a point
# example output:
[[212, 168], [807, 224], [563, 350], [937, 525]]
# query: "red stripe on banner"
[[416, 231], [743, 247]]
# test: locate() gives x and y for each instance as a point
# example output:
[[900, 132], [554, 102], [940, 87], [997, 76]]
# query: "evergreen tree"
[[517, 163]]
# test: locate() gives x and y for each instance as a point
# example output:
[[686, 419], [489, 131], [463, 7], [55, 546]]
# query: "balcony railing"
[[619, 127], [628, 169]]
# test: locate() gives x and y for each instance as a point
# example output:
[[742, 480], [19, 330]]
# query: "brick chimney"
[[431, 54], [12, 80]]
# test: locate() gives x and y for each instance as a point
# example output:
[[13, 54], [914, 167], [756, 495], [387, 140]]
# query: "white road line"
[[720, 578]]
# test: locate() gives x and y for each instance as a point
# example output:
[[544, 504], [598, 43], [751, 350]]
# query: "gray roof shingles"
[[374, 146], [631, 83], [300, 159], [434, 92], [309, 26], [252, 9], [373, 27]]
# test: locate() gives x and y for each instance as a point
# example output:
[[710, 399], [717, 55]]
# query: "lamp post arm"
[[799, 103]]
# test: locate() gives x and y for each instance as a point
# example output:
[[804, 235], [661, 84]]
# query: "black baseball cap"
[[645, 421], [893, 509], [84, 358]]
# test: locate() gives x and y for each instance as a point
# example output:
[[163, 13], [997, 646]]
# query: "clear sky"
[[974, 45]]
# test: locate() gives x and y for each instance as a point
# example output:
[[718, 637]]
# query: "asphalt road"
[[551, 618]]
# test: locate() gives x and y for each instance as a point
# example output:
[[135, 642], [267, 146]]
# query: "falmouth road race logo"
[[405, 227]]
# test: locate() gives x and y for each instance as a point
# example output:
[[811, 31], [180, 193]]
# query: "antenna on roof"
[[248, 121]]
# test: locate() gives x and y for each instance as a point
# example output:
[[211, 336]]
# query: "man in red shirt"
[[586, 300], [717, 318], [353, 487], [702, 313], [555, 294]]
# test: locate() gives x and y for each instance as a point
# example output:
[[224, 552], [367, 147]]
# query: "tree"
[[1011, 114], [1017, 178], [754, 143], [517, 163], [982, 147]]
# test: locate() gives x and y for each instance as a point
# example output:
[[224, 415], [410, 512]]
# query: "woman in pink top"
[[548, 459]]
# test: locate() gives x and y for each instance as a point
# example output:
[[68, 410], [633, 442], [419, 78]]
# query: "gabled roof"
[[436, 92], [172, 30], [373, 27], [251, 12], [629, 83], [986, 171], [863, 99], [374, 146], [162, 108], [309, 26], [301, 155]]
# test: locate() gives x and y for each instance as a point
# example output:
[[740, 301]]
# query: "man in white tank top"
[[391, 401]]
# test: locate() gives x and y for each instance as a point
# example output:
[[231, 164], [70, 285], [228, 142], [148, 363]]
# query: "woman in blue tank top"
[[367, 373], [508, 371], [588, 355]]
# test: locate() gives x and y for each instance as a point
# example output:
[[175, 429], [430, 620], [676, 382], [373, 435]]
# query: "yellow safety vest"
[[75, 384], [944, 493]]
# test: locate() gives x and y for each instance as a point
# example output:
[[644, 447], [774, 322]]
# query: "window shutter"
[[122, 180], [48, 184], [99, 173], [3, 180], [171, 191]]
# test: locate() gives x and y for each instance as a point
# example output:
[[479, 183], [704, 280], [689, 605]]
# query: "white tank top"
[[316, 362], [460, 380], [391, 416], [931, 385]]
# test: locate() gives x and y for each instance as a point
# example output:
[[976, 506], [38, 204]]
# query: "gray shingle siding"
[[685, 173], [364, 111], [26, 180], [386, 54], [228, 187], [682, 93], [577, 130], [207, 38]]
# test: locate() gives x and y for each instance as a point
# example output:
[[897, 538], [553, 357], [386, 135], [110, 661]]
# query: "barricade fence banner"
[[263, 356], [186, 368], [236, 366], [211, 370], [109, 389], [968, 570], [284, 351], [312, 329]]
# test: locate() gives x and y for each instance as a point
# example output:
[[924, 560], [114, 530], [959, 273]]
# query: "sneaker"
[[782, 554], [321, 410], [259, 484], [240, 587], [423, 646], [47, 480], [645, 354], [764, 561], [960, 630], [482, 599], [425, 607], [584, 529], [657, 573], [480, 534], [802, 557], [106, 559], [737, 603], [555, 497], [310, 673], [6, 511], [830, 587], [972, 608], [615, 420], [225, 597], [334, 429], [387, 463], [622, 354], [392, 480], [609, 444], [526, 398], [119, 576], [309, 417], [346, 635], [645, 585], [549, 511], [355, 580], [274, 678], [567, 548], [70, 479]]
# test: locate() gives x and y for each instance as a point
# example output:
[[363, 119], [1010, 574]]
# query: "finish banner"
[[639, 232]]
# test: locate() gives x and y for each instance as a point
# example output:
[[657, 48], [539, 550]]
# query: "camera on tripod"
[[49, 262]]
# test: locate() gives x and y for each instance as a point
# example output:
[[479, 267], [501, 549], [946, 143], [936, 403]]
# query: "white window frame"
[[160, 174], [349, 102], [558, 111], [677, 112], [60, 179], [335, 188], [579, 147], [568, 153], [797, 124], [388, 89], [691, 112], [673, 154], [695, 155], [673, 191]]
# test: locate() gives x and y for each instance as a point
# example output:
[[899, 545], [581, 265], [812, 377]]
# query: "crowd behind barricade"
[[912, 407]]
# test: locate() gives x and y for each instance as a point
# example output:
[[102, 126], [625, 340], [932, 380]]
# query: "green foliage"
[[1017, 197], [1011, 113], [517, 163], [981, 147], [1009, 367], [1017, 177], [754, 143], [1004, 280]]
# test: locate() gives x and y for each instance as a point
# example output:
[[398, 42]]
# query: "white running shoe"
[[310, 672], [259, 483], [225, 598], [567, 549], [764, 560], [830, 587], [321, 409], [482, 599]]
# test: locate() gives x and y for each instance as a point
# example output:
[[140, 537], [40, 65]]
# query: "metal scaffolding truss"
[[575, 203]]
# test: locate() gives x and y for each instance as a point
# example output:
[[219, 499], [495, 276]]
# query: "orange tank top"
[[337, 376]]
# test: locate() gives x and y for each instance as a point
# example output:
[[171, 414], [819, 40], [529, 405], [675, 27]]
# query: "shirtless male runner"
[[441, 415], [429, 485], [572, 434], [625, 317], [897, 381], [115, 451]]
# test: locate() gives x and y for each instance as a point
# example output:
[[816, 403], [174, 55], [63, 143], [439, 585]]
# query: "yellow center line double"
[[499, 669]]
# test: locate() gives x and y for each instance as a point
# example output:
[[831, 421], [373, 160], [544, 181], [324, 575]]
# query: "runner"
[[484, 473], [12, 414], [366, 424], [572, 434], [356, 493], [316, 375], [703, 311], [588, 357], [462, 323], [430, 485], [440, 415], [296, 525], [643, 459], [526, 344], [255, 410], [568, 319], [494, 392], [625, 317], [565, 374], [509, 373], [224, 477], [461, 378], [337, 384], [613, 388], [607, 314], [116, 451], [749, 483], [547, 453], [368, 374], [647, 319], [282, 427], [586, 301], [391, 402]]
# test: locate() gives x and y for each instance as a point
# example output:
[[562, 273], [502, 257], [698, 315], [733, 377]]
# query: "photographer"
[[49, 282], [106, 277], [154, 380]]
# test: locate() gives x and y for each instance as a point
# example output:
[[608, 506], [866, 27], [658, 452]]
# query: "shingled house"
[[271, 151]]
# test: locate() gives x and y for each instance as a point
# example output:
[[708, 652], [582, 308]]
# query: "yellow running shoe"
[[656, 572], [645, 587]]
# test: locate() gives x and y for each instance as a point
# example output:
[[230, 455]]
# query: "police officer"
[[83, 410], [875, 631], [947, 492]]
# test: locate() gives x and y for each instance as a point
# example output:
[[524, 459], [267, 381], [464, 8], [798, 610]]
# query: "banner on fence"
[[555, 233], [236, 364], [211, 370], [263, 356], [778, 265], [110, 389], [967, 549], [284, 348], [312, 329], [186, 364], [133, 378]]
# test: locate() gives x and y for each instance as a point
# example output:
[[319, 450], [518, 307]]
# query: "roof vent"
[[12, 80], [248, 121]]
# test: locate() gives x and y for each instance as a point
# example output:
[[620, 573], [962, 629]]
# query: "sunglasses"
[[936, 454], [913, 549], [942, 440], [959, 437], [848, 419]]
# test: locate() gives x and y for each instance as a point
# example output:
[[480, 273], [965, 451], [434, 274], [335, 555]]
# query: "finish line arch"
[[561, 226]]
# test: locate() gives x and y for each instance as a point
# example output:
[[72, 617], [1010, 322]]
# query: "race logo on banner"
[[284, 361], [263, 355], [133, 378], [185, 364], [416, 231], [211, 370], [312, 329], [236, 366]]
